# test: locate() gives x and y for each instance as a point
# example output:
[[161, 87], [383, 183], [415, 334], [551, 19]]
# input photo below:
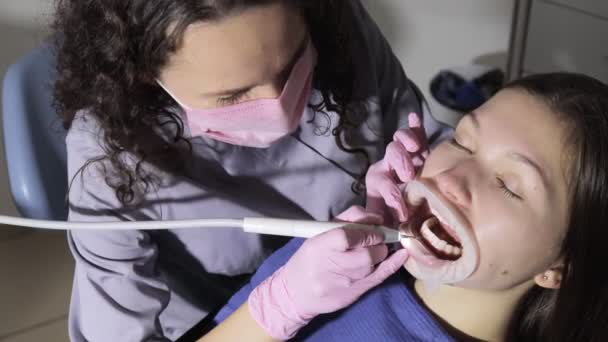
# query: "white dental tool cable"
[[260, 225]]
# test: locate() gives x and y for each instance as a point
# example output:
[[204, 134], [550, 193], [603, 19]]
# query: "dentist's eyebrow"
[[284, 70], [241, 90]]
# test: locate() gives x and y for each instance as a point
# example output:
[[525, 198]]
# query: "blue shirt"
[[389, 312]]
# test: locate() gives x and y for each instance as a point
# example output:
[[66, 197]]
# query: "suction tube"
[[269, 226]]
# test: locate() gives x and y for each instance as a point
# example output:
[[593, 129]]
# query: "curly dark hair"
[[110, 53]]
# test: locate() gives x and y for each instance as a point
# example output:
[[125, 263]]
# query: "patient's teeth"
[[425, 232], [428, 223], [441, 244], [449, 249], [435, 241]]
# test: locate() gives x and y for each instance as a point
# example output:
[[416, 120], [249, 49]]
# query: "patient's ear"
[[550, 278]]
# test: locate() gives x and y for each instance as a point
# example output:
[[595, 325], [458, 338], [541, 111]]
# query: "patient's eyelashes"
[[506, 190]]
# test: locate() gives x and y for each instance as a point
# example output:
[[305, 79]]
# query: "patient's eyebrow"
[[474, 119], [515, 156], [529, 162]]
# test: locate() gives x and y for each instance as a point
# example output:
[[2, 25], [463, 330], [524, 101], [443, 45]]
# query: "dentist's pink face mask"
[[258, 123]]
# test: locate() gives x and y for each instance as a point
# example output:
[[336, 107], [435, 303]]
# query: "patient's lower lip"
[[413, 228], [427, 258]]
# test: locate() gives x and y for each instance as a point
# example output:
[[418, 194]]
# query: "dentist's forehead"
[[241, 50]]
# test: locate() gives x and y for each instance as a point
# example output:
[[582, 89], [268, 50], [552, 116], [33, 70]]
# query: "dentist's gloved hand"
[[404, 156], [329, 272]]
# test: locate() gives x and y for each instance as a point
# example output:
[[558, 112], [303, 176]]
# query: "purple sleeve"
[[274, 262], [117, 293]]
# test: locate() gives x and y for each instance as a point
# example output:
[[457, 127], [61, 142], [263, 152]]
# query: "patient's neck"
[[484, 315]]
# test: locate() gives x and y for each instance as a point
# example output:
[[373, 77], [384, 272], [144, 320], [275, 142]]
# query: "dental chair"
[[34, 139], [34, 143]]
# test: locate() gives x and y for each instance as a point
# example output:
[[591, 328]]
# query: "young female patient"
[[511, 217]]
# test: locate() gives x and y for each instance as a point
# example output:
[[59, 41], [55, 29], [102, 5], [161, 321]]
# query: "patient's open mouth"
[[445, 248], [435, 234]]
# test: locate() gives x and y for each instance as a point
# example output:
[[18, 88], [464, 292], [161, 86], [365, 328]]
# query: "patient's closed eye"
[[501, 184], [508, 192]]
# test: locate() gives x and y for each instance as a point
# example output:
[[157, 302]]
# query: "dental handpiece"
[[260, 225], [306, 229]]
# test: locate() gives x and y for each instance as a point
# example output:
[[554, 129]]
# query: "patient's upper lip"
[[446, 224], [459, 215]]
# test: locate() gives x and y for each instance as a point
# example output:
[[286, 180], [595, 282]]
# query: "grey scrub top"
[[137, 285]]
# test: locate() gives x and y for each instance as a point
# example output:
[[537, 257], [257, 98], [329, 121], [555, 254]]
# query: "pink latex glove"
[[329, 272], [404, 156]]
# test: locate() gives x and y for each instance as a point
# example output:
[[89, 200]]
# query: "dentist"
[[181, 109]]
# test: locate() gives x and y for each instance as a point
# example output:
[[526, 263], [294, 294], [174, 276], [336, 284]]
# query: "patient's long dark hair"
[[111, 51], [578, 310]]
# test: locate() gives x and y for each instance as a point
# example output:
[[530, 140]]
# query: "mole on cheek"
[[505, 272]]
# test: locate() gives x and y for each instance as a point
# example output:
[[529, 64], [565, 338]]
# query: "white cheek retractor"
[[260, 225], [422, 264]]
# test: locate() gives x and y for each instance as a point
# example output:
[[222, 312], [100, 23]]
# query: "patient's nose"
[[454, 185]]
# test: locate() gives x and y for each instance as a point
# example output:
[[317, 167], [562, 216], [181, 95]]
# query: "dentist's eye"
[[459, 146], [231, 99], [506, 190]]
